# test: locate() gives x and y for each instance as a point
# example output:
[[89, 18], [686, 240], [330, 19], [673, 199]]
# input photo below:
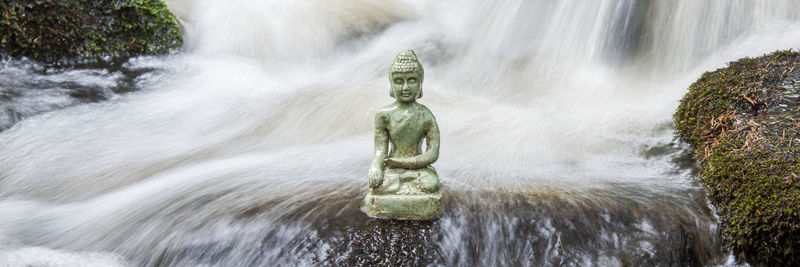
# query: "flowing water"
[[250, 146]]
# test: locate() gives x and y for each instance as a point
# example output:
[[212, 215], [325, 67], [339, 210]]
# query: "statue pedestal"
[[405, 207]]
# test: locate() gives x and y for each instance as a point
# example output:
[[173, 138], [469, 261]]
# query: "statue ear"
[[419, 95], [391, 86]]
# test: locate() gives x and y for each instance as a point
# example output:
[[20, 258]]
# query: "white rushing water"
[[270, 104]]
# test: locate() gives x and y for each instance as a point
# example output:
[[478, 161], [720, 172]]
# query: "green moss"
[[747, 137], [57, 31]]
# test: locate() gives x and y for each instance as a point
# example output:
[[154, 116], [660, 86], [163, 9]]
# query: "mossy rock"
[[59, 31], [744, 123]]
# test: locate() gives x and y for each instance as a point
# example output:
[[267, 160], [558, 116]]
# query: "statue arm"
[[425, 159], [381, 141], [381, 147]]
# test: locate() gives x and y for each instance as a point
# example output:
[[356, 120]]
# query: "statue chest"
[[406, 128]]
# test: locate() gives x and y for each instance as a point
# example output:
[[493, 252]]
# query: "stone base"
[[405, 207]]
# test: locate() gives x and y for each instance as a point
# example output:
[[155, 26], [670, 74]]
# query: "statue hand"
[[375, 177]]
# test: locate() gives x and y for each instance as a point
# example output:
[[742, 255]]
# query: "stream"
[[250, 145]]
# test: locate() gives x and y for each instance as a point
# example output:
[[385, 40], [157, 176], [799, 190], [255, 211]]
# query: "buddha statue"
[[402, 184]]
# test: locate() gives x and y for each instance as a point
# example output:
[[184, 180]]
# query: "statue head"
[[406, 75]]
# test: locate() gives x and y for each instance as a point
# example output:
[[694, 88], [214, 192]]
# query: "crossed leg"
[[408, 182]]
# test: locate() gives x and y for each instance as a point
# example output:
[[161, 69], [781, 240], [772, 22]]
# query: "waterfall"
[[251, 145]]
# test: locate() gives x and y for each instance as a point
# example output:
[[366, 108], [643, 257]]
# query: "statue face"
[[406, 86]]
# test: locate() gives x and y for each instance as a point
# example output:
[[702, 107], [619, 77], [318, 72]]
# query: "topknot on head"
[[406, 61]]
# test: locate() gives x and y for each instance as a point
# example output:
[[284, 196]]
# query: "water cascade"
[[251, 145]]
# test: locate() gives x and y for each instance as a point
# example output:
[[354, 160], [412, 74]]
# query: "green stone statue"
[[402, 184]]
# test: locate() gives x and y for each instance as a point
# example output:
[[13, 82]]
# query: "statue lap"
[[406, 195], [408, 182]]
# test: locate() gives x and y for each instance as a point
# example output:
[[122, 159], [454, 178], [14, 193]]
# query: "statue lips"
[[405, 95]]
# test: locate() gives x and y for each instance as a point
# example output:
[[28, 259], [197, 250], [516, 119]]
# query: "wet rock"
[[478, 228], [75, 31], [743, 122]]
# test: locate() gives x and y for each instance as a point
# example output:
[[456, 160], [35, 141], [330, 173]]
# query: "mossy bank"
[[744, 123], [57, 31]]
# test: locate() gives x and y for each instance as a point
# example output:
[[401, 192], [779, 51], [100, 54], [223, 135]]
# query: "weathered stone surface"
[[55, 31], [405, 207], [744, 122]]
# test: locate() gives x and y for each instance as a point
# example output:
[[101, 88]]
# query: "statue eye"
[[412, 80], [398, 81]]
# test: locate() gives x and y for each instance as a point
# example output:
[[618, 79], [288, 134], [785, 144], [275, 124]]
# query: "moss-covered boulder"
[[56, 31], [744, 123]]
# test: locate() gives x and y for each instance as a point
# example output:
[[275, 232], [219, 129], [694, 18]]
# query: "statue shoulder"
[[427, 112], [383, 113], [385, 110]]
